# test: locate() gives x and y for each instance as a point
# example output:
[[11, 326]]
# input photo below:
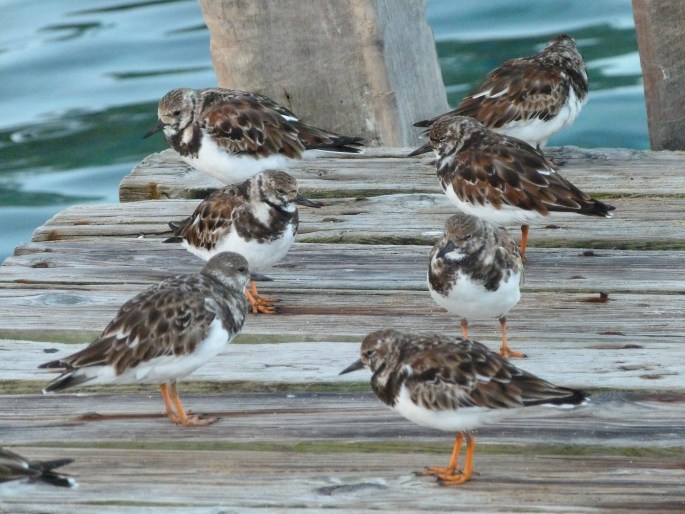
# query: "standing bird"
[[16, 470], [452, 384], [232, 135], [165, 333], [475, 271], [257, 219], [502, 179], [530, 98]]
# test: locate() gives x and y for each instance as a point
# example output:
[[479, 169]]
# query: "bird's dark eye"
[[369, 353], [280, 191], [467, 237], [242, 269], [176, 113]]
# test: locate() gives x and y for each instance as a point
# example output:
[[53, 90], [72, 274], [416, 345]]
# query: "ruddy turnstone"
[[232, 135], [16, 470], [165, 333], [257, 219], [530, 98], [451, 384], [475, 271], [502, 179]]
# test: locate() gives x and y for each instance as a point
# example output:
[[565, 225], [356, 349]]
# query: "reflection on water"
[[81, 85]]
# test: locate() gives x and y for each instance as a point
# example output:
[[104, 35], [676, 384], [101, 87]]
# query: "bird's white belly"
[[506, 215], [469, 299], [165, 368], [536, 131], [229, 168], [259, 256], [461, 419]]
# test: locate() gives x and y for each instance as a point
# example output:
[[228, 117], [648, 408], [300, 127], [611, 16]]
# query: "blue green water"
[[81, 80]]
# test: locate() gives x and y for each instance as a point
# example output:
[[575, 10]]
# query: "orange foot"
[[193, 420], [436, 471], [508, 353], [260, 304], [455, 479], [263, 305], [179, 415]]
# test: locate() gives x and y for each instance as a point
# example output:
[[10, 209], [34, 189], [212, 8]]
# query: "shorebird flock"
[[491, 165]]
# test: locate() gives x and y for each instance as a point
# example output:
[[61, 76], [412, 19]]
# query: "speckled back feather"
[[448, 373], [169, 318], [484, 167], [526, 88]]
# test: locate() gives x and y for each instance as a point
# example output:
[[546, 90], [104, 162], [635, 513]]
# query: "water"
[[81, 83]]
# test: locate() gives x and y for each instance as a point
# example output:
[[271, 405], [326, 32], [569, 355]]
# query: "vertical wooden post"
[[358, 67], [660, 29]]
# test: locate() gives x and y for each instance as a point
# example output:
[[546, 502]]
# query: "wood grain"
[[350, 453], [639, 223], [659, 35], [610, 364], [614, 172]]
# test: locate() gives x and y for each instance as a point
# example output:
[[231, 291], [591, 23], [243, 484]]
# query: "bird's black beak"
[[357, 365], [446, 249], [258, 277], [301, 200], [425, 148], [160, 126]]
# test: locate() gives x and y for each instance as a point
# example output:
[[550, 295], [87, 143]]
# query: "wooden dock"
[[297, 437]]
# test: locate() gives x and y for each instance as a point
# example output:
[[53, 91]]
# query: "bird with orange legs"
[[452, 384], [165, 333]]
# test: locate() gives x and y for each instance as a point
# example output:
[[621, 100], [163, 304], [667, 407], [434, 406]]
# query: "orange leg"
[[181, 418], [505, 351], [524, 242], [171, 414], [260, 304], [464, 476], [465, 328], [451, 467]]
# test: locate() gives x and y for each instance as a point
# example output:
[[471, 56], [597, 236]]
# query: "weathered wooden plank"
[[348, 451], [78, 314], [368, 267], [639, 223], [586, 364], [614, 172], [289, 482], [608, 422]]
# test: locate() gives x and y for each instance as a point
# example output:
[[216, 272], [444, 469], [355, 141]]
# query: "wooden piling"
[[660, 27], [358, 67]]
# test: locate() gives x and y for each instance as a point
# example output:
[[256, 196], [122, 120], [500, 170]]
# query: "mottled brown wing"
[[464, 374], [267, 103], [507, 255], [519, 90], [212, 219], [244, 124], [511, 172], [312, 138], [168, 319]]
